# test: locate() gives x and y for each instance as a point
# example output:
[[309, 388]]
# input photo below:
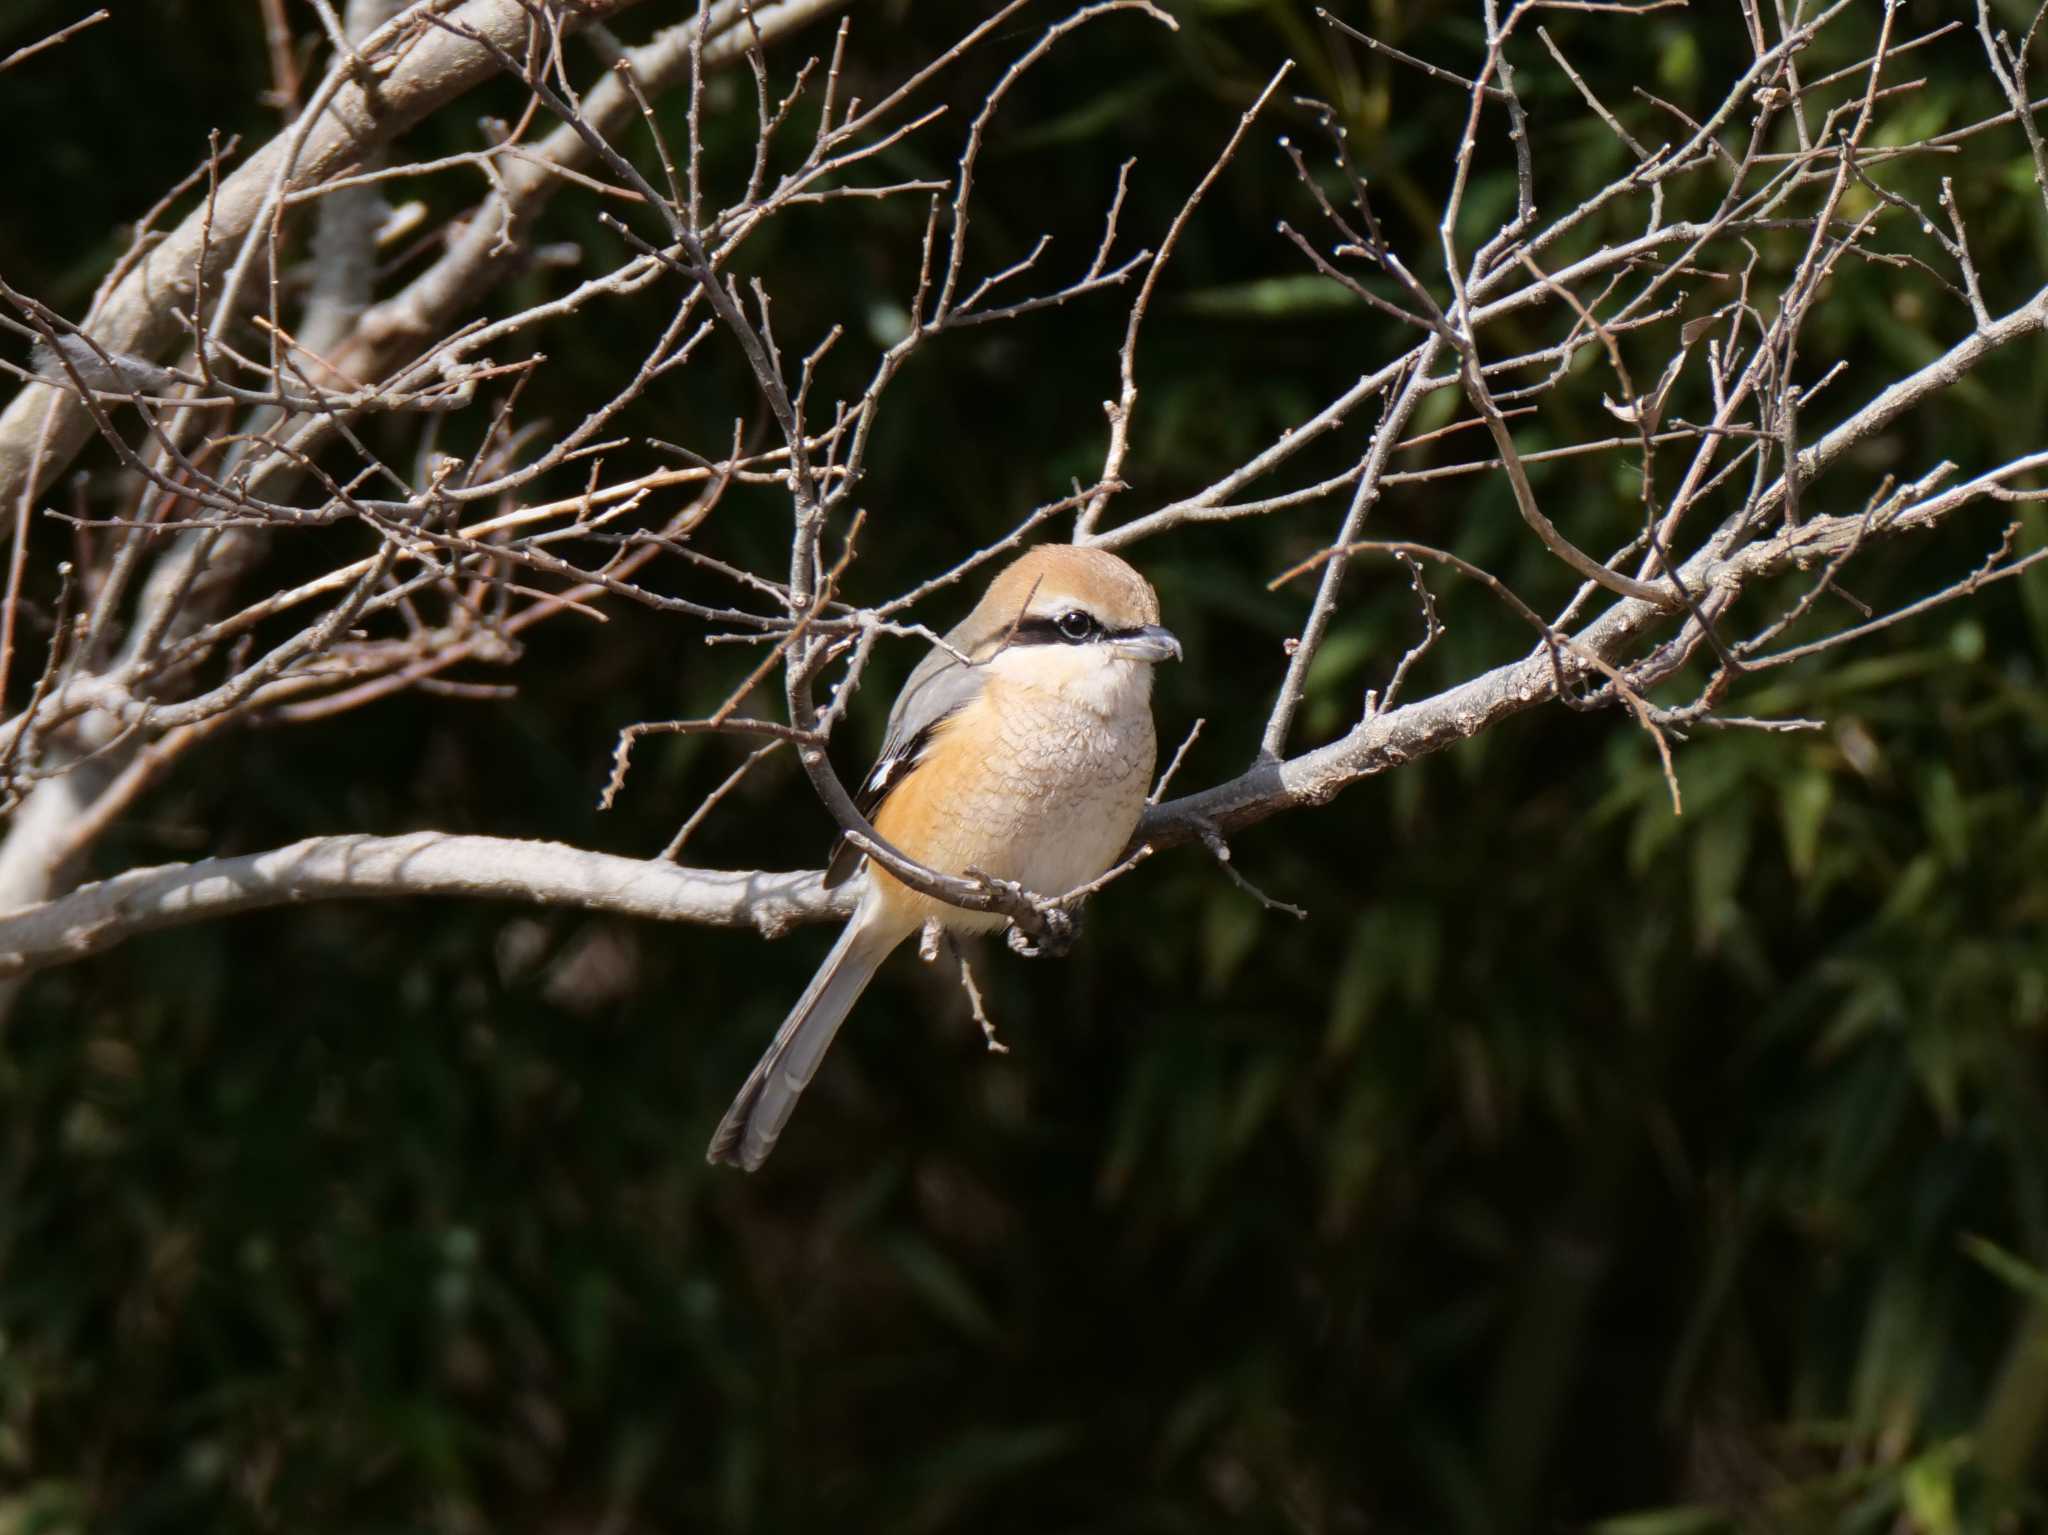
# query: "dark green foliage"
[[1574, 1165]]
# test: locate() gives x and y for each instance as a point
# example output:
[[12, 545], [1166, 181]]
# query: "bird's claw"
[[1053, 940]]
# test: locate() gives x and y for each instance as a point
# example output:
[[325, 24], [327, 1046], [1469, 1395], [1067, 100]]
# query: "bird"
[[1022, 746]]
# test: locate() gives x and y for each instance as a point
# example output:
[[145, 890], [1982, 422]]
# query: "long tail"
[[748, 1132]]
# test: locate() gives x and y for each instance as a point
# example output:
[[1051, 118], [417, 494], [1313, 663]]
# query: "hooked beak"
[[1151, 643]]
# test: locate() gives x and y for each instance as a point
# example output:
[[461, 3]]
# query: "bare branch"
[[61, 35], [95, 917]]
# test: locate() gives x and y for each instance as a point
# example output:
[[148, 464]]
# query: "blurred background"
[[1572, 1166]]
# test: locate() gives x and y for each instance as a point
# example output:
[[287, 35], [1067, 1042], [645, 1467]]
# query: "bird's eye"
[[1076, 625]]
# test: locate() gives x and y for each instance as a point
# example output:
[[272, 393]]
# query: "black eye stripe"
[[1044, 629], [1049, 630], [1037, 631]]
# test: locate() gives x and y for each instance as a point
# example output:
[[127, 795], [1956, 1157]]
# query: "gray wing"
[[940, 687]]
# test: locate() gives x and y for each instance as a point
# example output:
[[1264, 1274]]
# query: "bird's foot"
[[1053, 940]]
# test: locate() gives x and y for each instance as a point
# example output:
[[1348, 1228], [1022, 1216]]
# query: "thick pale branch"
[[1393, 737], [100, 915], [1896, 398]]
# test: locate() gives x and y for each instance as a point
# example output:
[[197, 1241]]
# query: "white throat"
[[1090, 677]]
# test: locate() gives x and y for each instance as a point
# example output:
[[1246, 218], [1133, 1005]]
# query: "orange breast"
[[1023, 788]]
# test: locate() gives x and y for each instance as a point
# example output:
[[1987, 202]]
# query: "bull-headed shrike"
[[1028, 760]]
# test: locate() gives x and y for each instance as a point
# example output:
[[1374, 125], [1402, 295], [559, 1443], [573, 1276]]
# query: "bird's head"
[[1073, 620]]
